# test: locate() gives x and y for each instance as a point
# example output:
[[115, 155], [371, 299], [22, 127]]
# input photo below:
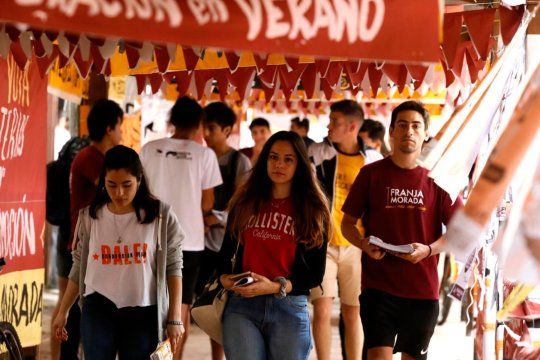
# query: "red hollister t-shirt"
[[400, 206], [85, 171], [270, 241]]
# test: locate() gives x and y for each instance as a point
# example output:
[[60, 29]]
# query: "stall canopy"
[[287, 49]]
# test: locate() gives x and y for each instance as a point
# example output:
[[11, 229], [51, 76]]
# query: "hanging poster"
[[23, 137]]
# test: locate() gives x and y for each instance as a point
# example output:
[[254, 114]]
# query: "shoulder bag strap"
[[233, 259]]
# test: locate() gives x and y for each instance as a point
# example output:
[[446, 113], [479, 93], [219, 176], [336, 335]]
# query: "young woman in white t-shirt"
[[127, 266]]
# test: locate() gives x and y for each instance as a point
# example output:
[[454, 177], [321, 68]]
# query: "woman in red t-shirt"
[[277, 226]]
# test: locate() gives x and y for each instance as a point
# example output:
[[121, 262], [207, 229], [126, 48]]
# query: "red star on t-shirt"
[[95, 256]]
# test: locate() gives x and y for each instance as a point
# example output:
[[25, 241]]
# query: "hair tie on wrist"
[[429, 246]]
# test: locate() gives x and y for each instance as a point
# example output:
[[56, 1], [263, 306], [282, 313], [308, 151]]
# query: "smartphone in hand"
[[243, 281], [236, 277]]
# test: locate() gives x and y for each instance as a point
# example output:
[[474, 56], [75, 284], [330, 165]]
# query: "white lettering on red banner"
[[358, 20], [23, 123], [360, 29], [23, 139], [17, 233], [142, 9]]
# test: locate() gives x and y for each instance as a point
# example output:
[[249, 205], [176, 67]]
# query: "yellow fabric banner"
[[67, 82], [22, 303]]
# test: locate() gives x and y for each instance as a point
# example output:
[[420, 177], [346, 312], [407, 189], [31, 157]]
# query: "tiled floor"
[[448, 343]]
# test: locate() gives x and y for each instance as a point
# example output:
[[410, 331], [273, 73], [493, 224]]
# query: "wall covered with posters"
[[67, 83], [23, 104]]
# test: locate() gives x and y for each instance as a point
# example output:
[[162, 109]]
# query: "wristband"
[[429, 246], [282, 287], [175, 322]]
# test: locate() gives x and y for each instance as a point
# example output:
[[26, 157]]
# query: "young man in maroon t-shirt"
[[399, 204], [104, 128]]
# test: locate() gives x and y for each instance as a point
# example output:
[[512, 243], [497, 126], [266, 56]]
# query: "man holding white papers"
[[399, 204]]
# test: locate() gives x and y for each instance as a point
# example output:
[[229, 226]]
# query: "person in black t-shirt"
[[233, 165], [301, 127]]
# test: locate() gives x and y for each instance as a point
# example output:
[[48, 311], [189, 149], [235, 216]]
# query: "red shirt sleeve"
[[357, 201]]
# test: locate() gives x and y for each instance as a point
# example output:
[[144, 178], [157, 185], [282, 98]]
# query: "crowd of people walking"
[[148, 231]]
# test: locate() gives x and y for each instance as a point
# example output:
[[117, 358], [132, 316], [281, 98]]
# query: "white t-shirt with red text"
[[122, 259]]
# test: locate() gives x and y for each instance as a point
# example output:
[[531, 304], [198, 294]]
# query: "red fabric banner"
[[23, 136], [352, 29], [452, 31], [480, 26], [510, 18]]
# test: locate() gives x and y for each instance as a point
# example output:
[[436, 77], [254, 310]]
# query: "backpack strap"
[[228, 173], [233, 164]]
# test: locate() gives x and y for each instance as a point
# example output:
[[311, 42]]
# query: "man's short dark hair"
[[304, 123], [219, 113], [349, 108], [259, 122], [375, 129], [186, 113], [104, 114], [410, 105]]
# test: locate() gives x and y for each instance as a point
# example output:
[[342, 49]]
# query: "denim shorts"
[[265, 327]]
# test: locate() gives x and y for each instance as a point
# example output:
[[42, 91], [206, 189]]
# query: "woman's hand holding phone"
[[245, 281], [260, 286], [229, 280]]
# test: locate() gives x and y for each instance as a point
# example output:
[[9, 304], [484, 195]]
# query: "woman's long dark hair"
[[311, 213], [122, 157]]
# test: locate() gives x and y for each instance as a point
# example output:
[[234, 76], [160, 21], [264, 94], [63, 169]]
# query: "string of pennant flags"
[[264, 77]]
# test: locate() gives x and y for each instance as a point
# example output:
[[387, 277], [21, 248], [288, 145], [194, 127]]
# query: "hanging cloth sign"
[[325, 28]]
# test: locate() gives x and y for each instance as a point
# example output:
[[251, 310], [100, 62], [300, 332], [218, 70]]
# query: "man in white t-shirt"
[[183, 173]]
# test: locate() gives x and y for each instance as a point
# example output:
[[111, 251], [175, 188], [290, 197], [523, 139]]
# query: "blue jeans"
[[265, 327], [130, 332]]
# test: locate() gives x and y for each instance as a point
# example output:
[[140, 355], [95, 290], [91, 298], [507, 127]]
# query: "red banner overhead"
[[363, 29]]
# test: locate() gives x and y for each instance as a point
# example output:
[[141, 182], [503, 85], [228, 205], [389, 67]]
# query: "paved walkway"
[[448, 343]]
